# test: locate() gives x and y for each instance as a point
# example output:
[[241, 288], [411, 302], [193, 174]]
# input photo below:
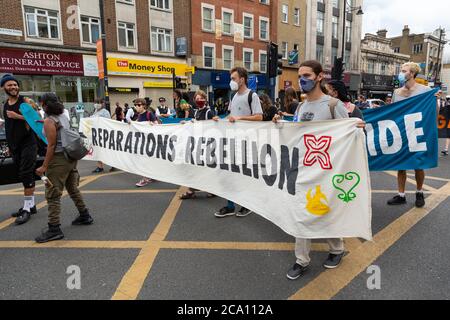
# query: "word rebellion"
[[266, 163]]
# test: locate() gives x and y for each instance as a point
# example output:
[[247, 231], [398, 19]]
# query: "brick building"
[[292, 15], [224, 34], [51, 46], [379, 65], [426, 49]]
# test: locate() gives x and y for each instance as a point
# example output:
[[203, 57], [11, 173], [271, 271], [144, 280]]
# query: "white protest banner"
[[312, 180]]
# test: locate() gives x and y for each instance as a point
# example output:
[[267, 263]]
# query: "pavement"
[[147, 244]]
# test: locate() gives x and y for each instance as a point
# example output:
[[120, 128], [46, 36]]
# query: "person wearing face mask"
[[316, 107], [245, 106], [22, 144], [337, 90], [202, 113], [409, 88]]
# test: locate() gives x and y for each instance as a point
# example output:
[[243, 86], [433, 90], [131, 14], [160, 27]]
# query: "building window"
[[383, 68], [371, 66], [418, 48], [319, 53], [228, 58], [126, 35], [209, 56], [285, 13], [161, 39], [264, 1], [398, 68], [334, 54], [42, 23], [90, 29], [320, 22], [284, 50], [227, 22], [334, 27], [248, 59], [347, 58], [263, 61], [208, 18], [348, 31], [297, 16], [160, 4], [263, 28], [396, 50], [248, 26]]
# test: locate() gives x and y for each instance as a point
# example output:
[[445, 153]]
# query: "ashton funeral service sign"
[[30, 62]]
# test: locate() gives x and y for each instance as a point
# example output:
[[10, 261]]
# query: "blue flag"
[[403, 135]]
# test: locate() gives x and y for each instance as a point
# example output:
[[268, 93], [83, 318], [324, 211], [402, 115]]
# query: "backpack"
[[332, 105], [206, 114], [250, 100], [73, 144]]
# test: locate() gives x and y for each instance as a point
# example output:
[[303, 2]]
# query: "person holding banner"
[[317, 107], [245, 106], [202, 113], [22, 144], [144, 115], [410, 88], [444, 106]]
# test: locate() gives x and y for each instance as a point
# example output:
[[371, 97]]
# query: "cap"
[[6, 78]]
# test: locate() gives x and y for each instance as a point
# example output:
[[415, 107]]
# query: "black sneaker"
[[24, 217], [333, 261], [296, 272], [444, 153], [244, 212], [420, 200], [98, 170], [53, 233], [397, 200], [84, 219], [18, 213], [225, 212]]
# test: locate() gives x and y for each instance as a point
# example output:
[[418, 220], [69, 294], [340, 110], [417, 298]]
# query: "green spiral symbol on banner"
[[338, 180]]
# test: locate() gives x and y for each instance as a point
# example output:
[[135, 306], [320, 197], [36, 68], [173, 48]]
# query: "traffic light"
[[179, 84], [338, 69], [275, 61]]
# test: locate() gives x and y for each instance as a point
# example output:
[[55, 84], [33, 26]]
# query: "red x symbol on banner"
[[317, 151]]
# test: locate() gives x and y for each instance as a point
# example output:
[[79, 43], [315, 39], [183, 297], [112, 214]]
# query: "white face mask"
[[234, 86]]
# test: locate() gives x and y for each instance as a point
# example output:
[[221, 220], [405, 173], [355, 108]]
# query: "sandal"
[[188, 195]]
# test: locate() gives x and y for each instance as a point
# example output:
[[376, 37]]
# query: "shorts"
[[25, 160]]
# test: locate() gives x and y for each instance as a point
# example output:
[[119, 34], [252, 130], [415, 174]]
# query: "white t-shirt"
[[239, 105]]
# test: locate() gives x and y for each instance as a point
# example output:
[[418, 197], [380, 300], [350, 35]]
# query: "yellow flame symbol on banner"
[[315, 205]]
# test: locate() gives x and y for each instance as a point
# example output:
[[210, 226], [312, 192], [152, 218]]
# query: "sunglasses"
[[138, 105]]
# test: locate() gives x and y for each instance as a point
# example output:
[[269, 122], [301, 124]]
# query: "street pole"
[[438, 67], [343, 31], [105, 91]]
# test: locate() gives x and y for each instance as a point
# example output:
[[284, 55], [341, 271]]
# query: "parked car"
[[375, 103], [8, 171]]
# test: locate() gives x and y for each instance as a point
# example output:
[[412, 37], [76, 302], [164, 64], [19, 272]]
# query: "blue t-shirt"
[[147, 116]]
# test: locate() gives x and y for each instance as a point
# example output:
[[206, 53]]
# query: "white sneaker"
[[144, 182]]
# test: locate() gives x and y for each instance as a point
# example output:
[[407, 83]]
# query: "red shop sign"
[[40, 62]]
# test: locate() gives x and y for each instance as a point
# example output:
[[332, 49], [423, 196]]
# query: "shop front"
[[131, 77], [377, 86], [216, 83], [73, 77]]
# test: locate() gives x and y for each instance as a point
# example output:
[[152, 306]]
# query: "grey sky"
[[421, 16]]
